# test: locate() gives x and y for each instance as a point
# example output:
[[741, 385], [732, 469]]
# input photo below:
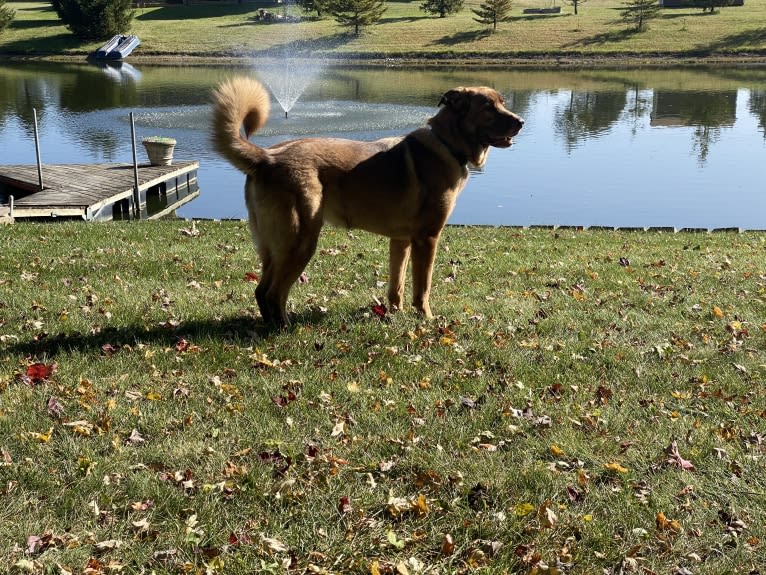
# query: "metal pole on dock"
[[37, 152], [136, 194]]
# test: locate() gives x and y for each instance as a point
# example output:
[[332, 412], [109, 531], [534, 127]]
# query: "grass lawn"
[[231, 30], [585, 402]]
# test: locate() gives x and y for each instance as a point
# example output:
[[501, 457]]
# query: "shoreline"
[[486, 60]]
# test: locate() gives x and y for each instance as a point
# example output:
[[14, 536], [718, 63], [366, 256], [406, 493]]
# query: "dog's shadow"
[[244, 330]]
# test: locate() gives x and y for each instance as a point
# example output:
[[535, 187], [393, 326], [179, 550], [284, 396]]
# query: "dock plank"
[[73, 187]]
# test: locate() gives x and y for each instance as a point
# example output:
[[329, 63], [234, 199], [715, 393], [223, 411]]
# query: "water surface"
[[681, 147]]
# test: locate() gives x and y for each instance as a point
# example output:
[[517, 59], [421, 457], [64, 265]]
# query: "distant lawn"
[[231, 30]]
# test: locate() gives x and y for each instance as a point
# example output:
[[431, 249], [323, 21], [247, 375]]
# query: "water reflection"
[[646, 123], [588, 115], [707, 112], [758, 108]]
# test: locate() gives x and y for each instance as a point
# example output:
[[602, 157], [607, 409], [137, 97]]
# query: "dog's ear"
[[457, 99]]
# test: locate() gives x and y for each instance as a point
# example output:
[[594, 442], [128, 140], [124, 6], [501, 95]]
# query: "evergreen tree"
[[6, 15], [356, 13], [95, 19], [637, 13], [318, 6], [492, 12], [442, 7]]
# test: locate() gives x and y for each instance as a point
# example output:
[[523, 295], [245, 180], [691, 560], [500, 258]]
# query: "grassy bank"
[[588, 401], [230, 30]]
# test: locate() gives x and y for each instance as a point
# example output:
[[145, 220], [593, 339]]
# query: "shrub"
[[95, 19]]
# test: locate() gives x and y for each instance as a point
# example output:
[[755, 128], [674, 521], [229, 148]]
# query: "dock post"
[[136, 193], [37, 152]]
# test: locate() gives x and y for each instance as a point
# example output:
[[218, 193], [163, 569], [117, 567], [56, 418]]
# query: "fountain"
[[288, 79]]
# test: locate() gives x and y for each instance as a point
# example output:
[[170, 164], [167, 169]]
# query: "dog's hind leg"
[[423, 255], [398, 256], [286, 267], [269, 311]]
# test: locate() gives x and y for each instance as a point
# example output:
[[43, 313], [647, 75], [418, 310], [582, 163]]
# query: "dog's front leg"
[[423, 255], [398, 256]]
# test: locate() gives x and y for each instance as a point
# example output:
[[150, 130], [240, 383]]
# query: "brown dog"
[[403, 188]]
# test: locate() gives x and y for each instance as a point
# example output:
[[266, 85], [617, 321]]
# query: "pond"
[[682, 147]]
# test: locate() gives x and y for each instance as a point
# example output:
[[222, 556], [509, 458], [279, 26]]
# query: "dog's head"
[[473, 119]]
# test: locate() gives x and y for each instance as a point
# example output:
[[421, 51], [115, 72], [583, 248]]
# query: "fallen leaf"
[[108, 545], [54, 407], [557, 451], [135, 438], [43, 437], [522, 509], [615, 468], [665, 524], [344, 504], [675, 459], [717, 311], [546, 516], [39, 372], [393, 540], [274, 545], [380, 310], [448, 545]]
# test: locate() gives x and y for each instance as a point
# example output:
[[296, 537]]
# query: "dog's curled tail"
[[239, 102]]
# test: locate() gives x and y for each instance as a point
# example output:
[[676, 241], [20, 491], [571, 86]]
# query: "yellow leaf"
[[153, 396], [260, 359], [557, 451], [665, 524], [374, 568], [41, 437], [522, 509], [420, 505], [717, 311], [578, 295], [587, 518], [615, 468], [80, 427]]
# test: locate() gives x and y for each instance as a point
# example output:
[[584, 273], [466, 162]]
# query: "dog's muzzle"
[[515, 124]]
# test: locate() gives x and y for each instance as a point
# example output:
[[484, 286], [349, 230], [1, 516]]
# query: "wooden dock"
[[96, 191]]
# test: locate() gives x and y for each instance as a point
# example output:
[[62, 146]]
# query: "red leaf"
[[344, 504], [379, 310], [38, 372], [252, 277]]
